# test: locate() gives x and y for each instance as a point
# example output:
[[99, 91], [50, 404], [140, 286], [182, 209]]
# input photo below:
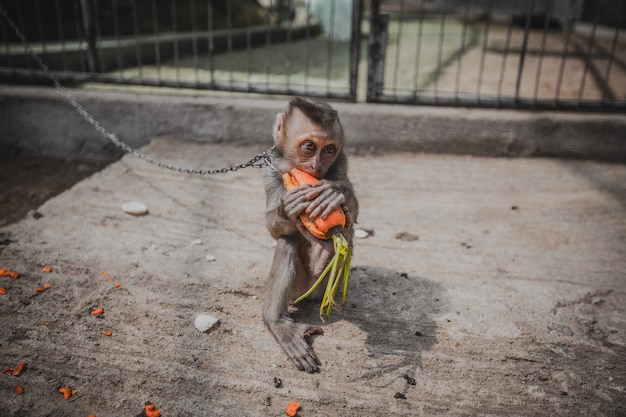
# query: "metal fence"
[[532, 54], [270, 47], [560, 54]]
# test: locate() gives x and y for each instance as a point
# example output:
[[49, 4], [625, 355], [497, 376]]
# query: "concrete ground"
[[489, 286]]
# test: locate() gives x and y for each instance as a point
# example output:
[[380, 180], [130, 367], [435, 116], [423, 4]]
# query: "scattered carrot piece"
[[104, 274], [91, 415], [11, 274], [46, 269], [152, 411], [107, 333], [2, 291], [292, 409], [15, 372], [19, 389], [38, 289], [67, 393], [117, 285], [2, 271], [46, 286], [98, 311]]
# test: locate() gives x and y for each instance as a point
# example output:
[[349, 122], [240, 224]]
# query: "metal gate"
[[269, 47], [504, 54], [523, 54]]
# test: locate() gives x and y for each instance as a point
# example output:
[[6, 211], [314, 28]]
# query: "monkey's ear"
[[278, 126]]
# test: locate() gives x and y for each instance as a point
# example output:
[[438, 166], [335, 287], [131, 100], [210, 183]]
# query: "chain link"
[[264, 156]]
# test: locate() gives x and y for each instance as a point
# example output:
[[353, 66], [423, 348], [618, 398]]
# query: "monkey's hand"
[[296, 201], [293, 339], [324, 197]]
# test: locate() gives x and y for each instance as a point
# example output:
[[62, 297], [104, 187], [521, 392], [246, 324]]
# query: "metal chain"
[[254, 162]]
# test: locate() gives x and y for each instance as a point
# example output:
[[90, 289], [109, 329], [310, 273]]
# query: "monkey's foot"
[[293, 337]]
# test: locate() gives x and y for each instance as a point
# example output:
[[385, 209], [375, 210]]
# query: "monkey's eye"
[[330, 149], [308, 146]]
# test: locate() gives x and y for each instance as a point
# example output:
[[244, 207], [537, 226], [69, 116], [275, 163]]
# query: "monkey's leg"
[[291, 336]]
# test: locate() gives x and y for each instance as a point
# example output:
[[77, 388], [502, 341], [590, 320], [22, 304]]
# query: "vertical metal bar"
[[5, 38], [376, 52], [418, 48], [307, 55], [79, 35], [194, 40], [398, 46], [605, 91], [89, 27], [505, 54], [248, 48], [331, 39], [442, 31], [211, 46], [483, 54], [157, 44], [522, 57], [40, 28], [457, 82], [229, 27], [288, 49], [542, 51], [373, 51], [138, 62], [20, 19], [268, 48], [61, 34], [355, 46], [589, 57], [118, 45], [573, 6], [175, 40]]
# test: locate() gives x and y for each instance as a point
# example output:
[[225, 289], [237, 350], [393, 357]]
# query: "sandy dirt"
[[489, 287]]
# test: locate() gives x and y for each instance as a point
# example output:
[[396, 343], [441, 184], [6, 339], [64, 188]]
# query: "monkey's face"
[[315, 154], [306, 145]]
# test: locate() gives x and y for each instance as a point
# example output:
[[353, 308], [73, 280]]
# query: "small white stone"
[[196, 242], [205, 323], [135, 207], [210, 258], [361, 233]]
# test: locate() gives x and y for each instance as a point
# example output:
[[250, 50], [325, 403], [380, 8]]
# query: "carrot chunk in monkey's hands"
[[319, 199]]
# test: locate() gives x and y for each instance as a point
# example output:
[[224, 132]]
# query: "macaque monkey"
[[308, 135]]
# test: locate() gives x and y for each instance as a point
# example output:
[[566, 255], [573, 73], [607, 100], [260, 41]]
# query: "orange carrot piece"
[[98, 311], [38, 289], [67, 393], [46, 269], [107, 333], [11, 274], [15, 372], [18, 370], [320, 228], [19, 390], [3, 271], [117, 285], [292, 409], [152, 411], [46, 286], [2, 291]]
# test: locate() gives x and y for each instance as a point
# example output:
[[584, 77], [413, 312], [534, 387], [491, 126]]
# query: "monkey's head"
[[309, 135]]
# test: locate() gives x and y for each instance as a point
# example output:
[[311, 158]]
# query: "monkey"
[[308, 135]]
